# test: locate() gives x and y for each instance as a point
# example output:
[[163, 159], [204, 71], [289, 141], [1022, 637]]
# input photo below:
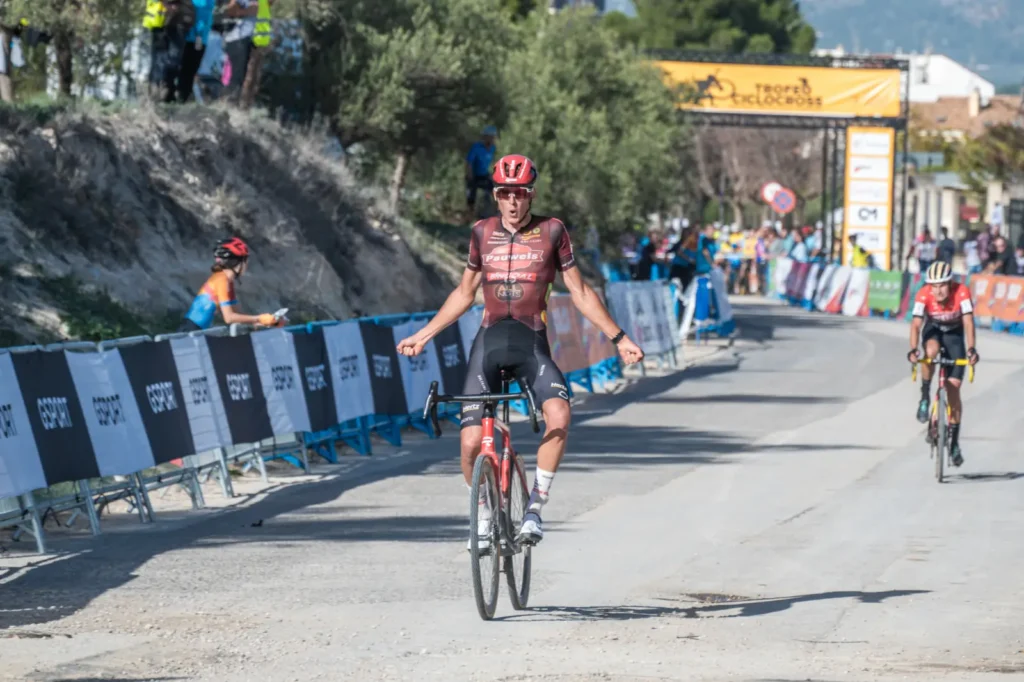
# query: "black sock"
[[926, 389], [954, 434]]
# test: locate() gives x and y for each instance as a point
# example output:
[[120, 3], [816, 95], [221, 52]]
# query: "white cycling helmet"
[[939, 272]]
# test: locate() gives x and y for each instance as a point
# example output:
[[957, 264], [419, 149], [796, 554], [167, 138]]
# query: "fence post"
[[29, 502], [85, 490], [142, 498], [225, 474]]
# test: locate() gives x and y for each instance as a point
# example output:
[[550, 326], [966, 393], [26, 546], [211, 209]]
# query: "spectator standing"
[[707, 249], [924, 250], [168, 22], [478, 166], [245, 46], [946, 248], [195, 48], [971, 258], [647, 249], [859, 256], [1003, 261], [986, 244], [799, 252]]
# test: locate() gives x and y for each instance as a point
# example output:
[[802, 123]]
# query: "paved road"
[[770, 515]]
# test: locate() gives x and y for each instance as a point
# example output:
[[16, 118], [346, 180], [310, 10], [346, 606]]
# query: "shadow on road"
[[986, 478], [747, 607]]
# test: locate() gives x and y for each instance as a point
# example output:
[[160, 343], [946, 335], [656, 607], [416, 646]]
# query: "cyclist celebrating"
[[231, 260], [515, 257], [949, 311]]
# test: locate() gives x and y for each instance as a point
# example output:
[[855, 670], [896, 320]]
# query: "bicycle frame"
[[502, 465]]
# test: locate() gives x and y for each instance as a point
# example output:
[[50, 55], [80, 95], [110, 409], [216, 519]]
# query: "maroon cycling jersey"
[[519, 268]]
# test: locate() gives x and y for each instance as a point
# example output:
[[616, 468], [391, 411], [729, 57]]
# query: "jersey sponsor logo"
[[531, 235], [509, 292], [514, 256], [511, 277]]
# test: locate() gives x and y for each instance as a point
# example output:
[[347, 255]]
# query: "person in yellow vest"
[[859, 257], [168, 22], [245, 46]]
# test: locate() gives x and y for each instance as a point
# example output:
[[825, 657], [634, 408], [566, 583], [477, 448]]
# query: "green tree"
[[720, 25], [598, 121], [406, 78], [996, 155]]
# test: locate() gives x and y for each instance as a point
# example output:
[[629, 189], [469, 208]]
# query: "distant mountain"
[[985, 35]]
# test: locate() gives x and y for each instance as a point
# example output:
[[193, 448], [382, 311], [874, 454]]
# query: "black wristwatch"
[[618, 337]]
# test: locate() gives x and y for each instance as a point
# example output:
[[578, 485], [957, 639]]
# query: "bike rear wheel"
[[940, 440], [486, 559], [517, 563]]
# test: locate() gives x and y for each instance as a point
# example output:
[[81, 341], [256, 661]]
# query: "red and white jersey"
[[948, 314]]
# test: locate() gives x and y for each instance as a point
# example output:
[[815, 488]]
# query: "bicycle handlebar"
[[946, 362], [433, 399]]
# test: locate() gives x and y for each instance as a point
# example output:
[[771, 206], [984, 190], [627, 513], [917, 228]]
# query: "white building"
[[933, 76]]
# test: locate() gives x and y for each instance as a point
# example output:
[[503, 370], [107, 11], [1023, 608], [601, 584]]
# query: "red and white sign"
[[768, 191]]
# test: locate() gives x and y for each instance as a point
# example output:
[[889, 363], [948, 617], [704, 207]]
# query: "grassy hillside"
[[108, 217]]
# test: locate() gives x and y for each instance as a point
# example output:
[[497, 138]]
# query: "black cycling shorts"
[[511, 345], [952, 341]]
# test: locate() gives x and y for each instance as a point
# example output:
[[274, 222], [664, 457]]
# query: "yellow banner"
[[786, 90]]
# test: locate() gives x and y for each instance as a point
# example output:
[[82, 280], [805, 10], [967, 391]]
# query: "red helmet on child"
[[232, 248]]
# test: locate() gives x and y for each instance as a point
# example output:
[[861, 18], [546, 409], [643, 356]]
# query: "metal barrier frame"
[[198, 468]]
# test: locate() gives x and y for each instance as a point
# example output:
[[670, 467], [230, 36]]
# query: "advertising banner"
[[868, 204], [885, 290], [785, 90]]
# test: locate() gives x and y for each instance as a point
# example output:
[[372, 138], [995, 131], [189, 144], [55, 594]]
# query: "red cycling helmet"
[[231, 249], [514, 170]]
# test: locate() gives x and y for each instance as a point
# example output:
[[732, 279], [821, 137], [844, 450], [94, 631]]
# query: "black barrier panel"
[[451, 358], [241, 390], [55, 413], [385, 375], [315, 374], [154, 379]]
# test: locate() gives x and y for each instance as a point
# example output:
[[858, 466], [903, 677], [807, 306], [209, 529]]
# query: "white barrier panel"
[[21, 469], [206, 416], [417, 372], [856, 292], [824, 284], [353, 393], [782, 269], [640, 309], [724, 319], [812, 282], [836, 289], [282, 382], [119, 441]]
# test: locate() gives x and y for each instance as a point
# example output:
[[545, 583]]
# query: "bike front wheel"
[[941, 447], [517, 563], [484, 551]]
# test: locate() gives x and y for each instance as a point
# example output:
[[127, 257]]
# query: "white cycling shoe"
[[483, 531], [532, 531]]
